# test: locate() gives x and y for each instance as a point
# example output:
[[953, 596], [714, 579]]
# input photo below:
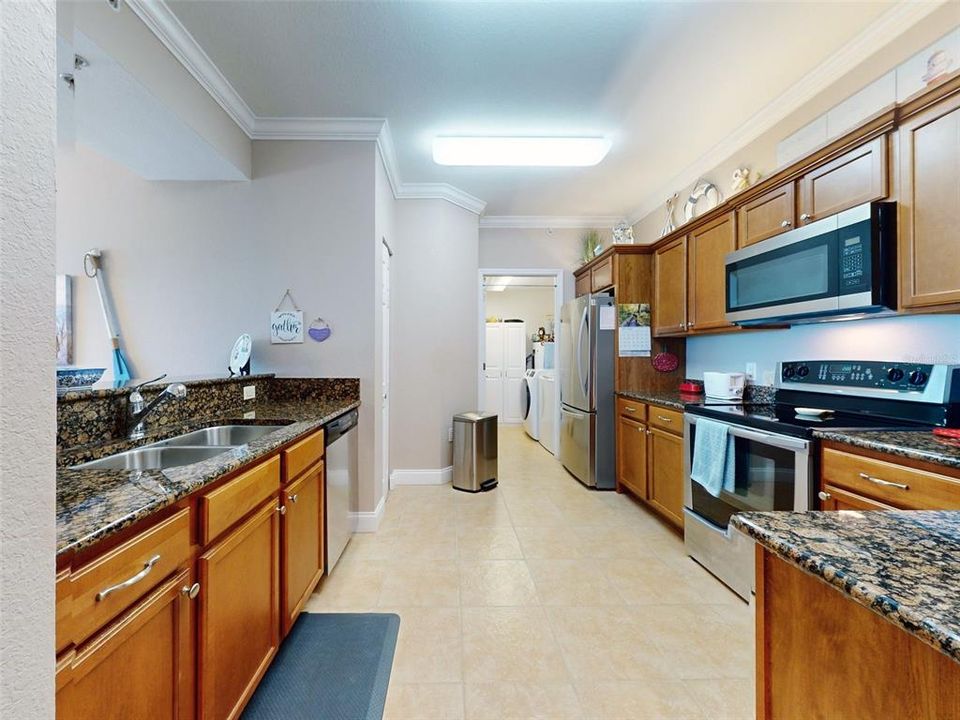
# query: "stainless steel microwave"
[[843, 265]]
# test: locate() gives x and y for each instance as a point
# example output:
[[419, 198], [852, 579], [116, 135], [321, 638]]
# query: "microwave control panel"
[[865, 374], [855, 260]]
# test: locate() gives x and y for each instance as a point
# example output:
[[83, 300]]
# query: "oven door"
[[793, 274], [773, 472]]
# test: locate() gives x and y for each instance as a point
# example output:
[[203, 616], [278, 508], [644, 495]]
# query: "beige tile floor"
[[543, 599]]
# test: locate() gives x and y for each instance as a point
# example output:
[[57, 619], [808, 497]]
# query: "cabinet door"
[[514, 368], [707, 279], [601, 277], [493, 369], [852, 179], [632, 456], [670, 289], [583, 284], [302, 539], [239, 613], [766, 215], [140, 666], [665, 451], [930, 206], [833, 498]]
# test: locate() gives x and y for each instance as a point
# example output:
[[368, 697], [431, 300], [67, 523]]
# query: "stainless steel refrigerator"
[[587, 444]]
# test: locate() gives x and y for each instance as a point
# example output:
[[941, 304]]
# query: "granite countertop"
[[913, 444], [94, 504], [904, 565], [664, 398]]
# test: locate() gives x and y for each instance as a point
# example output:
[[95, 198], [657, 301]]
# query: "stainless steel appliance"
[[342, 491], [842, 265], [586, 390], [775, 446]]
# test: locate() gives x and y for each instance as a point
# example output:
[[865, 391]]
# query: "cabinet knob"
[[292, 498], [786, 224], [824, 495], [806, 217], [191, 591], [282, 509]]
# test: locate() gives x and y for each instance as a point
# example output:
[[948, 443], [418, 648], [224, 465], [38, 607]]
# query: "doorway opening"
[[518, 349]]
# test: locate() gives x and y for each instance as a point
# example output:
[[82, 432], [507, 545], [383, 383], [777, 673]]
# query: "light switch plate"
[[450, 434], [751, 372], [251, 415], [249, 392]]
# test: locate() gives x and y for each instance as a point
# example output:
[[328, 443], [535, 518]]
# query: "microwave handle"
[[781, 441]]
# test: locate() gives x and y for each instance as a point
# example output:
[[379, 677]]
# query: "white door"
[[514, 366], [385, 378], [493, 369]]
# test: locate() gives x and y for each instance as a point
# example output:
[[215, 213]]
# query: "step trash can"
[[475, 451]]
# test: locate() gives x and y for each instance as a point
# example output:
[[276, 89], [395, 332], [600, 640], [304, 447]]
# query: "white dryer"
[[531, 403]]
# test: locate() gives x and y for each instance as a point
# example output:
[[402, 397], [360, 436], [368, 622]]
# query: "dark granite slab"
[[913, 444], [667, 399], [903, 565], [93, 504]]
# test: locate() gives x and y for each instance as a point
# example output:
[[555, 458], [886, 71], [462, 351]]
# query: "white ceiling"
[[667, 82]]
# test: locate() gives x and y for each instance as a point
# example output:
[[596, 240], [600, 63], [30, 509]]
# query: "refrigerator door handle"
[[571, 413], [583, 324]]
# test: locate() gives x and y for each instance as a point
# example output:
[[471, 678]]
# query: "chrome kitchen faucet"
[[137, 409]]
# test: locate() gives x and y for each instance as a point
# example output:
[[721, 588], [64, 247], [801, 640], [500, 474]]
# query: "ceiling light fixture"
[[520, 151]]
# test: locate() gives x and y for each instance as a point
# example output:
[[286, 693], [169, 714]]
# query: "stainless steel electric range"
[[775, 448]]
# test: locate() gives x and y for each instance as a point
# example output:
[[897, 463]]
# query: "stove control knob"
[[803, 371], [918, 377], [789, 372], [894, 374]]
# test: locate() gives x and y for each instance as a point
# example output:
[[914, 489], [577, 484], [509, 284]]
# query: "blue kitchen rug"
[[332, 666]]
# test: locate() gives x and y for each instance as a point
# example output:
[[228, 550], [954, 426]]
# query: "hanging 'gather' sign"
[[286, 326]]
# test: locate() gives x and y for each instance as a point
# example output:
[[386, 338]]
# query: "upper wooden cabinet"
[[707, 248], [930, 206], [767, 215], [601, 277], [670, 288], [854, 178], [583, 284]]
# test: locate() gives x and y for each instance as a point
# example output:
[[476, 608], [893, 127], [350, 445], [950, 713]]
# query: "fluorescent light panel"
[[520, 151]]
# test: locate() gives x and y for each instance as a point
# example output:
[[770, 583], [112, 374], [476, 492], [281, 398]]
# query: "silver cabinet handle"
[[191, 591], [665, 419], [630, 409], [649, 433], [806, 216], [885, 483], [786, 224], [292, 498], [133, 580], [824, 495], [282, 509]]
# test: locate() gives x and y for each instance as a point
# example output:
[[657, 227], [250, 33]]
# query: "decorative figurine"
[[703, 189], [741, 180], [622, 234], [669, 226]]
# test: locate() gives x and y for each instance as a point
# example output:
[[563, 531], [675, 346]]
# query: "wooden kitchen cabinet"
[[140, 666], [632, 456], [707, 248], [930, 206], [854, 178], [583, 284], [239, 613], [766, 215], [670, 288], [601, 276], [303, 541], [665, 474], [833, 498]]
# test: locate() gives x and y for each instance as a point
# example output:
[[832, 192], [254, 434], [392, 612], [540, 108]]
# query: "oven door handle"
[[780, 441]]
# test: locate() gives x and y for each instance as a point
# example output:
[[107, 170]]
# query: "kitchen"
[[227, 200]]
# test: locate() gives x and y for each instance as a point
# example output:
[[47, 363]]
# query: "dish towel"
[[713, 457]]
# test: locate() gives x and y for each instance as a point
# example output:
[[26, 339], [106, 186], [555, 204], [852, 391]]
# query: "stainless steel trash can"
[[474, 451]]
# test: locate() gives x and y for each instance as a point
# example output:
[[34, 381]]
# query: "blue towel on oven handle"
[[714, 462]]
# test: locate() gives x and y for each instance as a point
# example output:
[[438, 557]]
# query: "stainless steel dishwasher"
[[342, 489]]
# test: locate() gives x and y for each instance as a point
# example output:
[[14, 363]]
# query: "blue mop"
[[91, 266]]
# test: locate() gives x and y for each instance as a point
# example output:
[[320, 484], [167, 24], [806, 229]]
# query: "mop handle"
[[92, 259]]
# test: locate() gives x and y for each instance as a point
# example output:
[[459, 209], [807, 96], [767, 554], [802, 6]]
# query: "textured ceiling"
[[665, 81]]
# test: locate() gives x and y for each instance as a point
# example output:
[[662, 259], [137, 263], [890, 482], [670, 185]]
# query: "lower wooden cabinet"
[[632, 456], [239, 620], [665, 480], [140, 666], [302, 537], [833, 498]]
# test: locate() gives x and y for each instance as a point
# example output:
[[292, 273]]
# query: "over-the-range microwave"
[[841, 266]]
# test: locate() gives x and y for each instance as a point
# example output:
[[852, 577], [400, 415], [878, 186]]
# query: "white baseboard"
[[368, 522], [439, 476]]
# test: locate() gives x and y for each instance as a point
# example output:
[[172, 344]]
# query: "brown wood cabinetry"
[[583, 284], [140, 666], [601, 276], [632, 456], [221, 508], [854, 178], [707, 248], [670, 288], [766, 215], [302, 536], [930, 206], [665, 474], [833, 498]]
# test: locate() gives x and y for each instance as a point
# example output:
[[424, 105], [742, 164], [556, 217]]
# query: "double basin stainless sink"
[[183, 449]]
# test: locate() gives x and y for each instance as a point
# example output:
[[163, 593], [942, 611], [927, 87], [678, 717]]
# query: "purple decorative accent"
[[319, 333]]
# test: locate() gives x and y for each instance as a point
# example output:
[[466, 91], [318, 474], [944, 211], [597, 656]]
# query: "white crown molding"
[[873, 38], [555, 222], [441, 191], [306, 128], [157, 16]]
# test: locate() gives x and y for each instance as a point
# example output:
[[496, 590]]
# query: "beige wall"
[[533, 305], [434, 332], [192, 265], [27, 406]]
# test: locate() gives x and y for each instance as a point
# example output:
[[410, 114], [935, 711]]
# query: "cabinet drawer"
[[895, 485], [632, 409], [221, 508], [669, 420], [602, 275], [105, 587], [302, 455], [833, 498]]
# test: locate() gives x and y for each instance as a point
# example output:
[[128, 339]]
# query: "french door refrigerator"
[[587, 445]]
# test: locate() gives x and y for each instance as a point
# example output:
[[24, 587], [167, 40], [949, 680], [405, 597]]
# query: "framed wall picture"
[[64, 320]]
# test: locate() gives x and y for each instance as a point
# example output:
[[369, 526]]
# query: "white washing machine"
[[547, 404], [531, 403]]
